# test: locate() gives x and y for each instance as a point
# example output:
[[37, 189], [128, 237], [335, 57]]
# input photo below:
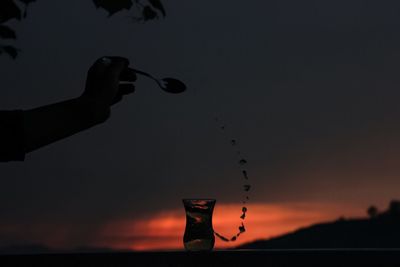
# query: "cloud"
[[164, 230]]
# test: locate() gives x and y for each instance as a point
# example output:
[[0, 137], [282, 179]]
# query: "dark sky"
[[310, 90]]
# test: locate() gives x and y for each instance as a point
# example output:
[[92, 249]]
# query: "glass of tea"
[[199, 233]]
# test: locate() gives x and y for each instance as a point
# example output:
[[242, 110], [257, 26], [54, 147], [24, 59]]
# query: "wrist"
[[97, 111]]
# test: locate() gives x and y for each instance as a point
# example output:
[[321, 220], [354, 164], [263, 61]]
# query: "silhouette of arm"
[[11, 134], [48, 124]]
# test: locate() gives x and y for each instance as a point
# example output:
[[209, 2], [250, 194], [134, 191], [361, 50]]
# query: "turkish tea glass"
[[199, 233]]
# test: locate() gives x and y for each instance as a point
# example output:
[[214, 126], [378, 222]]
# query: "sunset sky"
[[309, 89]]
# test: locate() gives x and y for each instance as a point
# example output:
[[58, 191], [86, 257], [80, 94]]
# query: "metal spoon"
[[169, 85]]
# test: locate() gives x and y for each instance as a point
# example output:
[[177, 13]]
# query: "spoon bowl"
[[173, 86]]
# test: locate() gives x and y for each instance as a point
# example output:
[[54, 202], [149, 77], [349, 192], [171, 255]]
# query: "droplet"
[[223, 238], [246, 187]]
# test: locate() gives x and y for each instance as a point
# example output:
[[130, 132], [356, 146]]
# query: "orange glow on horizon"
[[164, 230]]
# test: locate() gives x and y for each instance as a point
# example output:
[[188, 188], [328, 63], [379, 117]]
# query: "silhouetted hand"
[[103, 88], [47, 124], [28, 130]]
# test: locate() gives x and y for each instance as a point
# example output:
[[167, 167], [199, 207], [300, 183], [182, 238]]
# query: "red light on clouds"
[[164, 230], [159, 231]]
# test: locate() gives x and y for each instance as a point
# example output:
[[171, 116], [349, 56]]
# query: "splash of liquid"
[[242, 162], [246, 187]]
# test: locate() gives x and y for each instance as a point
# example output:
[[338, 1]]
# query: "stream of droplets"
[[242, 162]]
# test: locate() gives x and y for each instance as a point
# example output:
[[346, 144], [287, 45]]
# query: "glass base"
[[199, 245]]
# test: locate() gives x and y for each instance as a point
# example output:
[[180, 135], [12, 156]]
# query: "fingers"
[[108, 60], [114, 66], [103, 80], [117, 63], [124, 89], [122, 60], [99, 67], [116, 99], [128, 74]]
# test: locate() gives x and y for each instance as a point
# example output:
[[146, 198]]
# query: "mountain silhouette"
[[379, 231]]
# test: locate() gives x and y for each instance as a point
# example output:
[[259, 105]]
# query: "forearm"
[[48, 124]]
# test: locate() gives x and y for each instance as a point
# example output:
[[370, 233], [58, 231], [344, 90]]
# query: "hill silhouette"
[[380, 230]]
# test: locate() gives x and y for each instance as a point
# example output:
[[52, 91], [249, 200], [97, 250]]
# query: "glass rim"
[[203, 199]]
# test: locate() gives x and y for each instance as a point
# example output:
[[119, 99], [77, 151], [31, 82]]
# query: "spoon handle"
[[149, 76], [169, 85], [142, 73], [129, 72]]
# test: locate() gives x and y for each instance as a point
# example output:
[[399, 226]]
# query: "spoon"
[[169, 85]]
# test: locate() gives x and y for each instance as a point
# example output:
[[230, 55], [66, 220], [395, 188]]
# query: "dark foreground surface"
[[249, 258]]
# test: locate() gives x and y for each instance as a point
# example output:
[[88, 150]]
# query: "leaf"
[[9, 10], [7, 33], [10, 50], [158, 5], [148, 13], [113, 6], [26, 2]]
